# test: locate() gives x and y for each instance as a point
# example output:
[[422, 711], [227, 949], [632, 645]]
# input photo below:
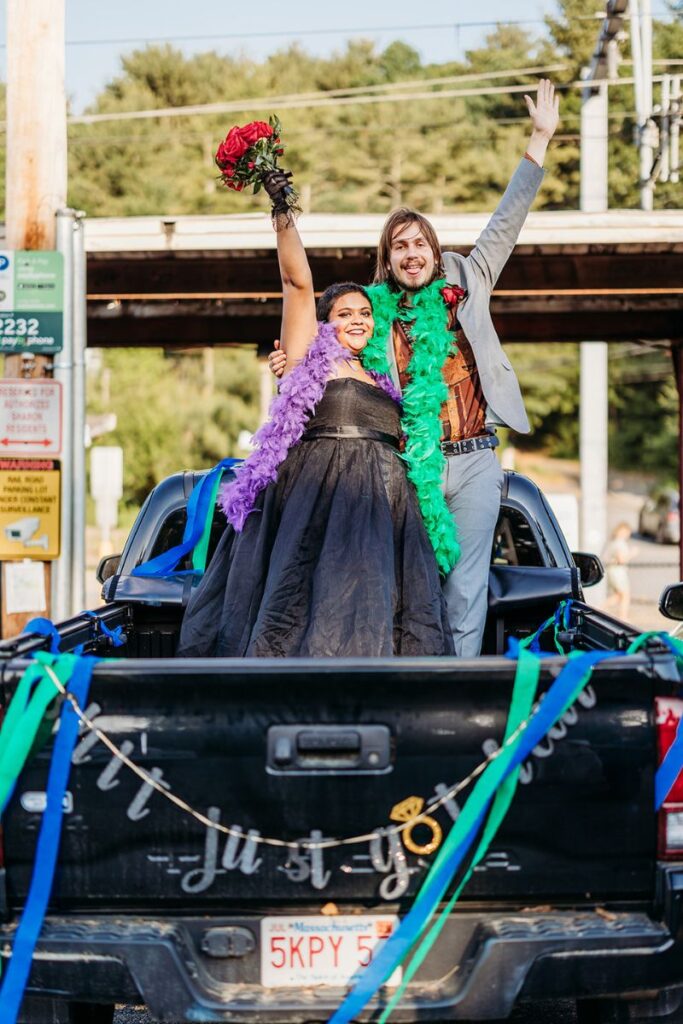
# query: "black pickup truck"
[[579, 896]]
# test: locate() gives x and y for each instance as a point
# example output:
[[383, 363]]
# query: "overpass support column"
[[593, 447], [593, 394]]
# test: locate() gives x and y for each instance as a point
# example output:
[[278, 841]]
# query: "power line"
[[269, 102], [388, 87], [162, 134], [288, 33]]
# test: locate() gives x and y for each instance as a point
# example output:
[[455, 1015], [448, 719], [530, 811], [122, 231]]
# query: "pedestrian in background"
[[618, 554]]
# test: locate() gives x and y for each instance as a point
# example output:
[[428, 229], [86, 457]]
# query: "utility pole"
[[593, 398], [648, 135], [36, 175], [593, 402]]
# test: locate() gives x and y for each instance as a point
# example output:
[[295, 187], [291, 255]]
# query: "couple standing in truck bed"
[[363, 522]]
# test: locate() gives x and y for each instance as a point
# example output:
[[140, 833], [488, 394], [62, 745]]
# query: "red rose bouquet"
[[249, 154]]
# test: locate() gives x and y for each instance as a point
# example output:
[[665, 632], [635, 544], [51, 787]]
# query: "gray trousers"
[[472, 485]]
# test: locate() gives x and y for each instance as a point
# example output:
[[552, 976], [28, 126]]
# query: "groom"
[[482, 388]]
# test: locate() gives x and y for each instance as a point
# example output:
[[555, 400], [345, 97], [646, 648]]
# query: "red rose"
[[254, 131], [232, 148], [452, 294]]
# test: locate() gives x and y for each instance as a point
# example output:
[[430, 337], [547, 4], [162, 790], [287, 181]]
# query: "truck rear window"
[[514, 542]]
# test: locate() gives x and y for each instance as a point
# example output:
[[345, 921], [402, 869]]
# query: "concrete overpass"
[[195, 281]]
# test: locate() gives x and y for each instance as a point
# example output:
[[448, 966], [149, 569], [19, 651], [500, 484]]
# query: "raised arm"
[[493, 247], [299, 324]]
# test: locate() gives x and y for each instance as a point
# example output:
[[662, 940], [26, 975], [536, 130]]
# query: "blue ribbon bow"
[[198, 508]]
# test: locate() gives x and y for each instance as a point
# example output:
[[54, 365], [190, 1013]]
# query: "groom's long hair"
[[396, 220]]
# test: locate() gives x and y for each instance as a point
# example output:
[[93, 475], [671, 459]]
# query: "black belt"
[[357, 433], [469, 444]]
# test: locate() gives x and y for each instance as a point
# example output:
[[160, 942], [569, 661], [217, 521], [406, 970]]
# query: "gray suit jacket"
[[477, 274]]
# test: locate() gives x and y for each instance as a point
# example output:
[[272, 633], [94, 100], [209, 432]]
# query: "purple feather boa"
[[290, 411]]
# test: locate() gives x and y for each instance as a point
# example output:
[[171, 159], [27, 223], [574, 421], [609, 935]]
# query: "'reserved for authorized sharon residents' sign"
[[31, 301], [30, 417]]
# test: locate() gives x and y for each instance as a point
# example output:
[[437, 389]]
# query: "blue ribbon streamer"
[[45, 627], [672, 765], [14, 983], [198, 508], [116, 635], [670, 768], [437, 882]]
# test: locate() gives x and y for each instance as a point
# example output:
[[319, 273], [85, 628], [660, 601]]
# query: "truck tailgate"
[[314, 750]]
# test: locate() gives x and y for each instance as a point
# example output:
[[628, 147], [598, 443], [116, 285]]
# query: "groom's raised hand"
[[545, 116], [277, 360]]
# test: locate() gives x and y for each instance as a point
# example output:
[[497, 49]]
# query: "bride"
[[325, 552]]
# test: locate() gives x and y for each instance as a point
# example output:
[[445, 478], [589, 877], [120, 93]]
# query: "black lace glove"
[[276, 184]]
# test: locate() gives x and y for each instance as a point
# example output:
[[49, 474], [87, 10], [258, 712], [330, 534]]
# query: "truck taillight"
[[668, 711]]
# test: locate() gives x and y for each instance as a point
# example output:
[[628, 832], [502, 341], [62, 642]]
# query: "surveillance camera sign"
[[29, 509], [31, 301]]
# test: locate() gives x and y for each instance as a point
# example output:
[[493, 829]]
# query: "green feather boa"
[[422, 400]]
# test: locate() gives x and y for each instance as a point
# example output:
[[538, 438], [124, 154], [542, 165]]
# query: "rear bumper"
[[482, 965]]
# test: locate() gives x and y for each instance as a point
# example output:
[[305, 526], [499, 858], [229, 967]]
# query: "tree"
[[171, 416]]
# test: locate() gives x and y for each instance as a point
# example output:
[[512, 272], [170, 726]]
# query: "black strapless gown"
[[334, 561]]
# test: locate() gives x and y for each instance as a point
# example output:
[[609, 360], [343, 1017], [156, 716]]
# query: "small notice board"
[[29, 509]]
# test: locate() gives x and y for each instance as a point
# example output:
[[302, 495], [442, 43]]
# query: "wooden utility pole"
[[36, 175], [36, 122]]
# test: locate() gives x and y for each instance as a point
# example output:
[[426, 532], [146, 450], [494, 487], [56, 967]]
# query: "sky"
[[98, 32], [258, 27]]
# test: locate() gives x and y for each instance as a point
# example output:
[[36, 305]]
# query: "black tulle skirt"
[[334, 561]]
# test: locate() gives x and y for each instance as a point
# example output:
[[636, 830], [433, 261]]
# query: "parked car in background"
[[660, 516]]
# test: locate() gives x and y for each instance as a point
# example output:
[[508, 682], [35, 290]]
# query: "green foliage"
[[453, 153], [643, 404], [549, 378], [174, 412], [643, 410]]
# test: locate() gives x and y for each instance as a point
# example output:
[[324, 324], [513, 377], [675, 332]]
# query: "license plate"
[[319, 950]]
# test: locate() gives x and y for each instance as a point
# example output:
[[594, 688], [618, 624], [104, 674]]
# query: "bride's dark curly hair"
[[331, 294]]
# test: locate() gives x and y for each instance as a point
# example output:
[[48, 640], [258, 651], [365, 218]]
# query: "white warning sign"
[[30, 417]]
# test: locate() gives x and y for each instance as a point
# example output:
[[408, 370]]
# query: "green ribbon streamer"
[[523, 695], [655, 634], [25, 715], [201, 549]]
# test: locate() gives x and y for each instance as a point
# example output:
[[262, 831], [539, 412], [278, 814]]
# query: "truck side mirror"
[[671, 601], [590, 568], [108, 567]]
